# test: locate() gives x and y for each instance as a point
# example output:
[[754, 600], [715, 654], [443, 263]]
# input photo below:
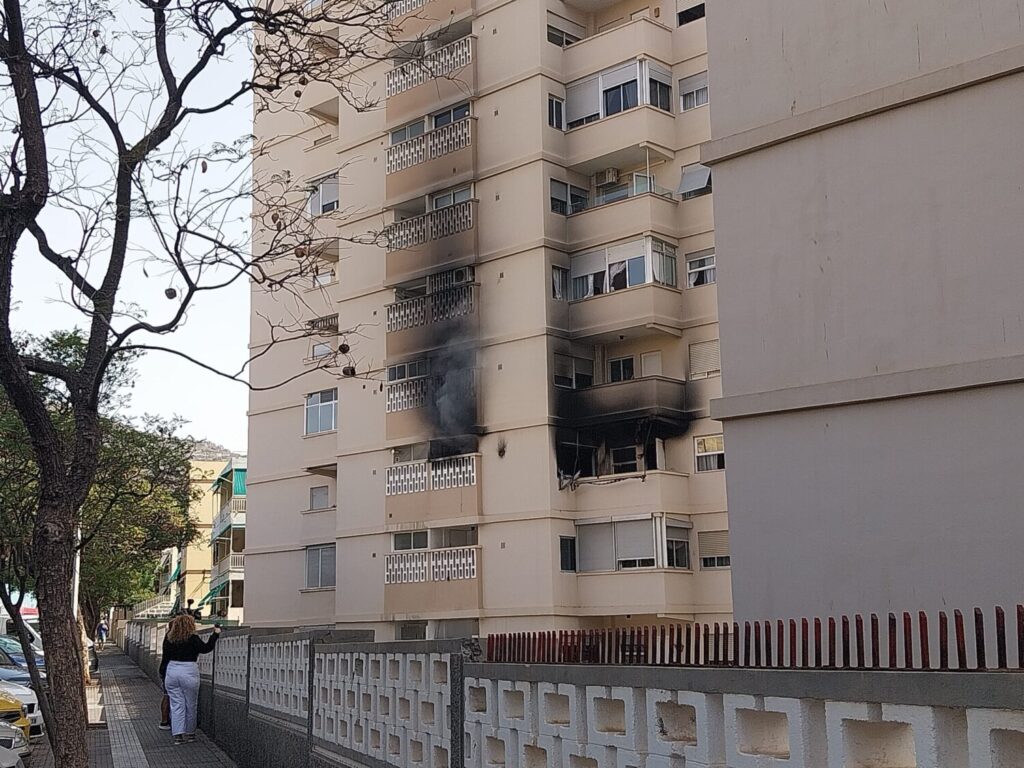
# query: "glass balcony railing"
[[633, 187]]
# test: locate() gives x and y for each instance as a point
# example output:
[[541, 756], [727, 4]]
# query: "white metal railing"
[[432, 308], [430, 145], [402, 7], [406, 395], [233, 562], [434, 225], [438, 475], [423, 565], [439, 63], [229, 513], [237, 562]]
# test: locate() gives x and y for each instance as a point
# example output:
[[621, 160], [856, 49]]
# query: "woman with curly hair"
[[180, 673]]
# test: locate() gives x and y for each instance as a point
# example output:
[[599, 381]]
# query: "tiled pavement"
[[132, 738]]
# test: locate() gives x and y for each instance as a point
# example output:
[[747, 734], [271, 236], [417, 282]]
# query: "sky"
[[216, 328]]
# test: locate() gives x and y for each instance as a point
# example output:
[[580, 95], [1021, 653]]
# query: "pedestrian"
[[180, 674], [101, 633]]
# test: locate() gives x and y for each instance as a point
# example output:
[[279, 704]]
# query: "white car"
[[13, 740], [9, 759], [28, 699]]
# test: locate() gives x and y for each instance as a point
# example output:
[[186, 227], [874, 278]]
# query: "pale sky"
[[216, 330]]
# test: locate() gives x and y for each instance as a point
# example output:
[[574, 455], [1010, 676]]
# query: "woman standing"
[[180, 673]]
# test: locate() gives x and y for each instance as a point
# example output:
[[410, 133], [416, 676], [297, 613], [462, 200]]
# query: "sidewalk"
[[132, 739]]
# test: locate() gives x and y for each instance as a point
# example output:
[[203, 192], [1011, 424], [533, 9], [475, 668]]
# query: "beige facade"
[[868, 209], [536, 342], [195, 561]]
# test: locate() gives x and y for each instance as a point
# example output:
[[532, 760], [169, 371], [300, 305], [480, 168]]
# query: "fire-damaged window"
[[573, 372], [413, 370], [409, 540], [592, 454], [560, 283], [406, 453]]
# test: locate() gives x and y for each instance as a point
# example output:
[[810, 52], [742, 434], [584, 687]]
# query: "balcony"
[[625, 140], [652, 397], [642, 38], [417, 16], [620, 213], [232, 514], [442, 581], [430, 242], [631, 312], [428, 81], [424, 322], [638, 591], [429, 491], [443, 154], [232, 564]]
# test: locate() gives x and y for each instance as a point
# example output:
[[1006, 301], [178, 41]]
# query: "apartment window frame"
[[659, 94], [322, 279], [560, 37], [417, 541], [568, 559], [709, 349], [449, 115], [317, 205], [677, 550], [693, 92], [621, 369], [580, 370], [620, 98], [567, 198], [560, 283], [411, 453], [690, 15], [413, 369], [701, 268], [713, 453], [717, 560], [625, 459], [316, 402], [320, 350], [691, 193], [326, 578], [408, 131], [658, 259], [556, 112], [454, 195], [317, 492], [622, 556]]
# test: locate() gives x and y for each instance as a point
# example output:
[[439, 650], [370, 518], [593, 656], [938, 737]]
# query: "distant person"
[[195, 613], [102, 630], [180, 674]]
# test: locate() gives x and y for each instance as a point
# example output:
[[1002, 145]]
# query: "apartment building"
[[226, 597], [516, 435], [868, 200], [194, 562]]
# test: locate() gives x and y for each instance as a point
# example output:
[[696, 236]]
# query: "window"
[[560, 283], [700, 268], [566, 198], [663, 261], [693, 92], [710, 452], [573, 372], [620, 97], [650, 363], [321, 349], [567, 552], [412, 630], [556, 112], [714, 549], [406, 453], [677, 546], [626, 274], [620, 369], [321, 279], [324, 196], [451, 197], [690, 14], [406, 132], [319, 497], [320, 567], [560, 38], [617, 545], [661, 95], [624, 459], [403, 542], [451, 115], [695, 181], [414, 370], [705, 359], [321, 411]]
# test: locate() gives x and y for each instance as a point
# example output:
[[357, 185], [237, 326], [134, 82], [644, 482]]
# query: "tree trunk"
[[54, 554]]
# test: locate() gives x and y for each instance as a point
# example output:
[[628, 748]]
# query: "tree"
[[99, 112], [138, 505]]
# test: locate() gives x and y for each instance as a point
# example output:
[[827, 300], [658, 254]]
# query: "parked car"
[[30, 702], [11, 738], [32, 626], [9, 759], [12, 647], [12, 713]]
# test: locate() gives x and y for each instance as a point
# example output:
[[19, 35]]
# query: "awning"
[[177, 572], [694, 177], [237, 480], [212, 594]]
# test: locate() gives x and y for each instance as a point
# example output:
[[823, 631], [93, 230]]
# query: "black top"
[[188, 650]]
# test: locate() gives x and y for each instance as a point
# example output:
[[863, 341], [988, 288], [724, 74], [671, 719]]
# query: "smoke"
[[453, 407]]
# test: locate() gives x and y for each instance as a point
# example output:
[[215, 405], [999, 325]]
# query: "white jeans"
[[182, 686]]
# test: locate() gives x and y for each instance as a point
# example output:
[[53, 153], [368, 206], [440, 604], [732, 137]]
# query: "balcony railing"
[[406, 395], [401, 7], [420, 566], [430, 145], [444, 222], [432, 308], [438, 475], [439, 63], [228, 515], [233, 562], [638, 185]]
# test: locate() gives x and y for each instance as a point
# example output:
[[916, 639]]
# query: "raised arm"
[[205, 646]]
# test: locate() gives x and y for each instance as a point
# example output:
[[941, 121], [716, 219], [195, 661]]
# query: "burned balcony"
[[436, 489], [656, 398], [440, 404], [420, 242], [422, 320]]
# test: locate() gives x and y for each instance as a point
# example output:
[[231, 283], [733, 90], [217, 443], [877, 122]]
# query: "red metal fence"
[[913, 643]]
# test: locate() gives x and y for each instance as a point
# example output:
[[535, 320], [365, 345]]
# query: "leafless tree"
[[104, 173]]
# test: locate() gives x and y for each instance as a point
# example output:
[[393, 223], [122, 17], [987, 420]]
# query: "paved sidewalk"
[[132, 739]]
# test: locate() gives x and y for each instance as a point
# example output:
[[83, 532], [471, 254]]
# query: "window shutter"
[[623, 73], [713, 543], [562, 23], [659, 73], [694, 177], [677, 533], [693, 83], [587, 263], [705, 358], [634, 539], [596, 547], [582, 99], [625, 251]]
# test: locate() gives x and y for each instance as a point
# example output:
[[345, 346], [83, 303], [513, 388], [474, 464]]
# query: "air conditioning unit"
[[462, 275], [605, 177]]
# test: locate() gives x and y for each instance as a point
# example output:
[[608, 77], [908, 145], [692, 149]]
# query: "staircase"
[[153, 608]]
